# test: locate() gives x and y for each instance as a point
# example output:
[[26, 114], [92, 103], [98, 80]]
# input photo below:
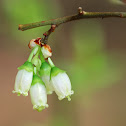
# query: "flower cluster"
[[41, 78]]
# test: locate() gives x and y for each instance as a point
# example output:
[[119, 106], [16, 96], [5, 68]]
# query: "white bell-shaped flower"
[[38, 94], [45, 75], [61, 83], [46, 51], [23, 79]]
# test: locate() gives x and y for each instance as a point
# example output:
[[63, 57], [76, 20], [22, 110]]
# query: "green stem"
[[32, 53], [35, 70], [36, 61], [42, 57], [50, 62], [38, 52]]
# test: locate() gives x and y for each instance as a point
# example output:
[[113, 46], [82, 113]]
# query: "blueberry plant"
[[38, 75]]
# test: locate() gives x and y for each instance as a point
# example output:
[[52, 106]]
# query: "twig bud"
[[34, 42], [80, 10], [46, 51]]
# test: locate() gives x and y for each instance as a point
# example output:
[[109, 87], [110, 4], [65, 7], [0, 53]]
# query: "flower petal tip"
[[61, 97], [72, 92], [19, 93], [68, 96], [25, 94], [69, 99], [40, 108], [49, 92]]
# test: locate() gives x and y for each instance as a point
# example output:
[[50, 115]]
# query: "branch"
[[47, 34], [81, 15]]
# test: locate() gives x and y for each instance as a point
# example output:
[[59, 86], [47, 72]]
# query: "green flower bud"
[[37, 62]]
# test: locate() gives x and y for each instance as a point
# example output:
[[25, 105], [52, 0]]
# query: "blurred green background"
[[92, 51]]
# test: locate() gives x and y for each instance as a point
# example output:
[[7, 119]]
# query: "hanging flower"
[[60, 81], [23, 79], [45, 75], [38, 94]]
